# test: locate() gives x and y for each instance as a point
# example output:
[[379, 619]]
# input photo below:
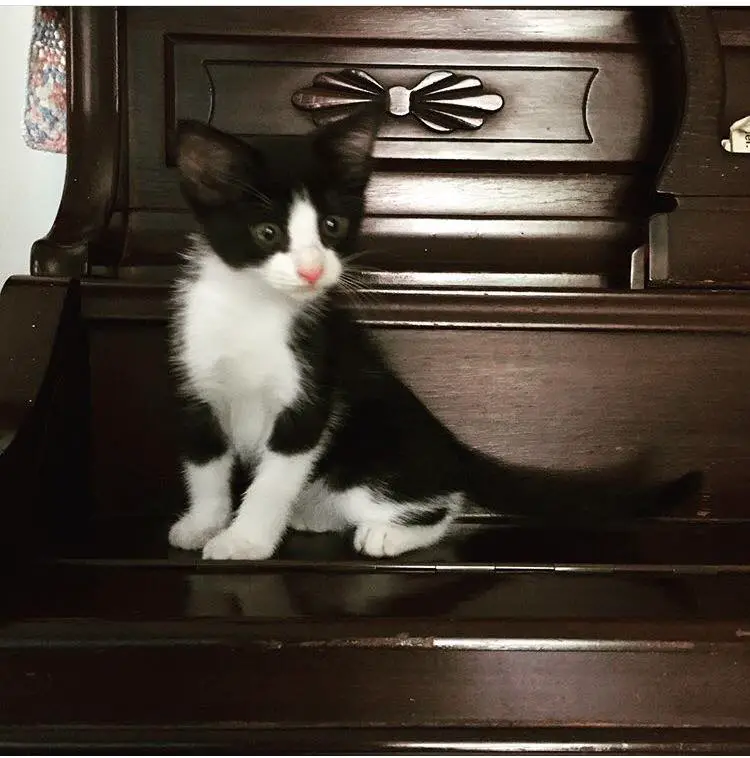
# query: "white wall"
[[30, 180]]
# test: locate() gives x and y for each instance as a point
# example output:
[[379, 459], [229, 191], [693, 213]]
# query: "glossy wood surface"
[[662, 609], [703, 240], [504, 638], [44, 397], [52, 686], [571, 169], [566, 161], [95, 139], [565, 205], [573, 381]]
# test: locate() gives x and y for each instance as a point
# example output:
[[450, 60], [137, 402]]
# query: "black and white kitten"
[[277, 378]]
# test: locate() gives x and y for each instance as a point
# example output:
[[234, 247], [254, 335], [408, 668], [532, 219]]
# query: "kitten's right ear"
[[212, 163], [347, 145]]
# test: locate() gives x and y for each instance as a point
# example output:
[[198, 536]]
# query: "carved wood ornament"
[[442, 101]]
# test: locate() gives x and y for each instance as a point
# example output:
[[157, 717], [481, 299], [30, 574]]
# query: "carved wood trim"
[[706, 312], [93, 98], [703, 241], [697, 164], [442, 101]]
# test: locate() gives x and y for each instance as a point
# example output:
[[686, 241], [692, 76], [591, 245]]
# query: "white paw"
[[232, 545], [189, 533], [381, 540]]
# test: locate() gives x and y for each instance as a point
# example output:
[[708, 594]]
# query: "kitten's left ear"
[[212, 164], [347, 145]]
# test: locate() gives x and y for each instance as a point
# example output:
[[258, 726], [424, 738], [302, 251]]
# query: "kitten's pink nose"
[[310, 274]]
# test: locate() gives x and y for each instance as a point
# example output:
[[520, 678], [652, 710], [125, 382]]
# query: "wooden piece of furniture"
[[502, 263]]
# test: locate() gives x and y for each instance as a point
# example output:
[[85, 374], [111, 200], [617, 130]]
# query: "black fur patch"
[[202, 438], [423, 516], [383, 436]]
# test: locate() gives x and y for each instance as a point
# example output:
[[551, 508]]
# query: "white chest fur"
[[233, 338]]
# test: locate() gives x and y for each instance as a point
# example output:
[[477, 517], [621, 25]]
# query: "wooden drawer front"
[[557, 105]]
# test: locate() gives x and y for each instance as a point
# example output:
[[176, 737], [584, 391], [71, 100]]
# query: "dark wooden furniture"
[[566, 285]]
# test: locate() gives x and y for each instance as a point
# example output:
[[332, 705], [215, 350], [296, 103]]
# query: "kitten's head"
[[283, 211]]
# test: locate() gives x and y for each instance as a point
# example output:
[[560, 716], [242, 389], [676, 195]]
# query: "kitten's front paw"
[[231, 545], [189, 533]]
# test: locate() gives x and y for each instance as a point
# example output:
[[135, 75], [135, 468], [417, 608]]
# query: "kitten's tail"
[[570, 499]]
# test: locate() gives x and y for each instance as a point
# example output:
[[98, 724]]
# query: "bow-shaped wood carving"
[[442, 101]]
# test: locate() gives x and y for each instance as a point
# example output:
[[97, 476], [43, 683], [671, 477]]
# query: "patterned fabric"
[[45, 117]]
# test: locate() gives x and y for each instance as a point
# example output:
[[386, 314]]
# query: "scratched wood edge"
[[489, 634], [368, 739]]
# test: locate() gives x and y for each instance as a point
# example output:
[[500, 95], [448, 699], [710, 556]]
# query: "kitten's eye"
[[334, 227], [266, 234]]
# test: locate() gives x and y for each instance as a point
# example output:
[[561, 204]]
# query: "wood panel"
[[422, 251], [466, 193], [550, 98], [571, 386], [544, 103], [457, 25], [240, 684], [133, 442], [703, 240], [43, 394], [579, 136]]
